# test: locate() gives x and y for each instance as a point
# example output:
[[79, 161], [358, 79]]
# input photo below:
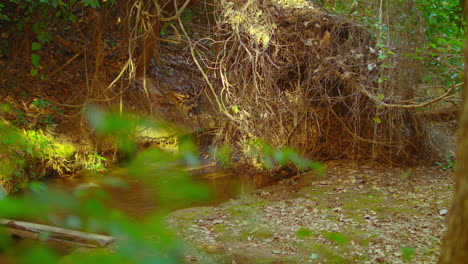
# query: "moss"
[[263, 232], [228, 236], [359, 204], [253, 224], [338, 238], [330, 255], [402, 209], [314, 191], [185, 217], [246, 210], [219, 228], [337, 251], [239, 211], [360, 200], [361, 237], [276, 260]]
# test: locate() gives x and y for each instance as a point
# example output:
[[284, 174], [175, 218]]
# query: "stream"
[[137, 199]]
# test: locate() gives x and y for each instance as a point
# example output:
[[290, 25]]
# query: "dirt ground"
[[353, 214]]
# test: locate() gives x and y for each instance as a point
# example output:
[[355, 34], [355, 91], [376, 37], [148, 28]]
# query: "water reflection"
[[137, 199]]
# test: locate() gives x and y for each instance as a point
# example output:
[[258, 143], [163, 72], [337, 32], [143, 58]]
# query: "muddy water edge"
[[137, 200]]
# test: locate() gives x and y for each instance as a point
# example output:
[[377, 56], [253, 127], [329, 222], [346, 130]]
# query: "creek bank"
[[352, 215]]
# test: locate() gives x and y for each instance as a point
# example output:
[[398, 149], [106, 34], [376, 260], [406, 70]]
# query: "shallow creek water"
[[137, 199]]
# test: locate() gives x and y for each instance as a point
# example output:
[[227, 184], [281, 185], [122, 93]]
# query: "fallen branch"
[[52, 233]]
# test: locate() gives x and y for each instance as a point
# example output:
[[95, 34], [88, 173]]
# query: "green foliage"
[[268, 157], [335, 237], [41, 103], [445, 33], [38, 115], [18, 17], [449, 164], [93, 3], [149, 241], [36, 46], [223, 155], [95, 162], [440, 22], [30, 145], [27, 154], [122, 127], [146, 241], [3, 16], [45, 255], [44, 146], [407, 253], [11, 143], [304, 232], [444, 21]]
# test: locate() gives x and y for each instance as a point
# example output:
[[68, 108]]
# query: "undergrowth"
[[30, 152]]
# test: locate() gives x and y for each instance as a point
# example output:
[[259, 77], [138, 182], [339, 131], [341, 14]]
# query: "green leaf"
[[303, 232], [44, 36], [380, 81], [72, 18], [381, 96], [336, 237], [382, 56], [33, 72], [93, 3], [35, 60], [235, 109], [36, 46], [408, 252], [377, 120]]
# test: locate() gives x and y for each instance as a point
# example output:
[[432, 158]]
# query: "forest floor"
[[354, 214]]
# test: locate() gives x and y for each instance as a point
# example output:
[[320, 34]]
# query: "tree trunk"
[[455, 247]]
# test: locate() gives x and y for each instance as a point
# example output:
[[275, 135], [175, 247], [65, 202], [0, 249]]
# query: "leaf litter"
[[355, 214]]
